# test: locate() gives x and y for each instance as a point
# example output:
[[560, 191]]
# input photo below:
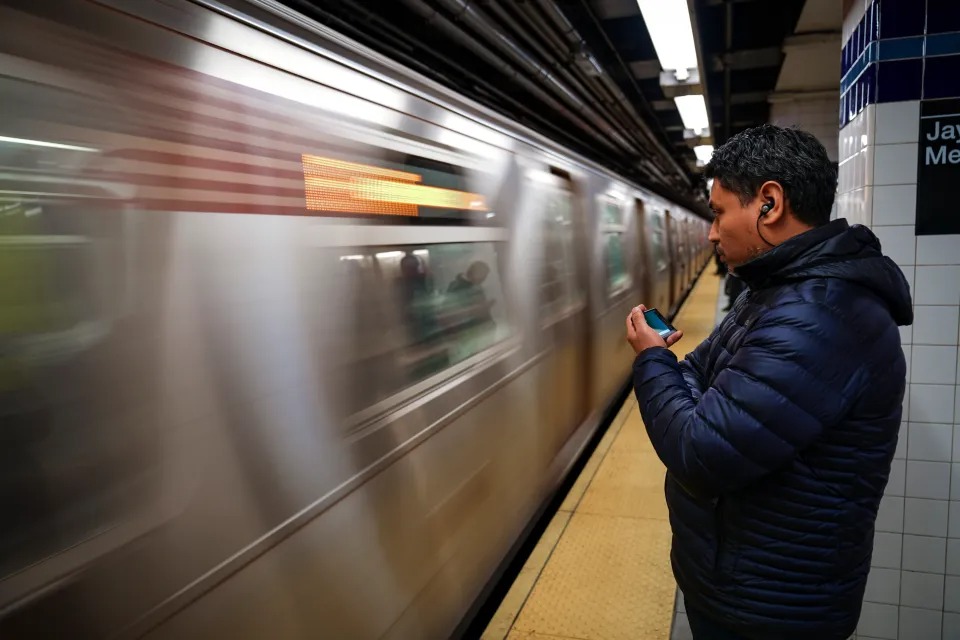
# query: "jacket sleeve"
[[692, 368], [789, 380]]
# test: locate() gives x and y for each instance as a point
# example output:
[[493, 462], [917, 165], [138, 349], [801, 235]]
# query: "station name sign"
[[938, 172], [942, 134]]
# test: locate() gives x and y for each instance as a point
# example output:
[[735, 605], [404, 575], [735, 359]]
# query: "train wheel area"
[[601, 570]]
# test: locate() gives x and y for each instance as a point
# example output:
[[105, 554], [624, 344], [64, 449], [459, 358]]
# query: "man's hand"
[[642, 336]]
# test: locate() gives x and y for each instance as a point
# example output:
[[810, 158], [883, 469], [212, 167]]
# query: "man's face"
[[477, 273], [734, 230]]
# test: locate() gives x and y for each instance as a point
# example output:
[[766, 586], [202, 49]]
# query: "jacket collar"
[[758, 272]]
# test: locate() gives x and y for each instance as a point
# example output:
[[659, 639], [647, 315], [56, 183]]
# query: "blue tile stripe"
[[887, 64], [943, 44], [901, 48]]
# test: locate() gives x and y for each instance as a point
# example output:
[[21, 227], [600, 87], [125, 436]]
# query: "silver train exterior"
[[293, 342]]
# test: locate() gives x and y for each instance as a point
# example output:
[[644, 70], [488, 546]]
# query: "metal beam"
[[794, 96], [740, 123], [611, 9], [745, 97], [673, 88], [645, 69], [735, 124], [814, 39], [747, 59]]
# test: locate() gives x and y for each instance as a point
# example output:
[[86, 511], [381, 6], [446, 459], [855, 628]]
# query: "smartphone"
[[658, 322]]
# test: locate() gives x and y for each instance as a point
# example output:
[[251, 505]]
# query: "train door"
[[659, 259], [562, 306], [615, 293], [672, 259], [692, 248], [643, 267], [682, 263]]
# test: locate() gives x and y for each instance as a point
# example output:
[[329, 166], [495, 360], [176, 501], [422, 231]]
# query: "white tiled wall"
[[913, 592], [817, 116]]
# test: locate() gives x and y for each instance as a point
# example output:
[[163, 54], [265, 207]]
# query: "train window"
[[610, 214], [558, 290], [658, 243], [615, 265], [448, 305]]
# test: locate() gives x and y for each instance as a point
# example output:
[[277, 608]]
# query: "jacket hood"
[[834, 250]]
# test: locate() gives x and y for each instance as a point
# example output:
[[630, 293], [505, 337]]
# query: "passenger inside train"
[[418, 302], [468, 304]]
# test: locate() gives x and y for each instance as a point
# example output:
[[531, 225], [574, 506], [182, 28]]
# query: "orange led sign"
[[350, 187]]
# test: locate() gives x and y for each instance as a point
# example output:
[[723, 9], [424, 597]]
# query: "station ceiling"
[[740, 49], [585, 72]]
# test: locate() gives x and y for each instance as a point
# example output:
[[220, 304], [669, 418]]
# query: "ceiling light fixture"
[[693, 112], [668, 22]]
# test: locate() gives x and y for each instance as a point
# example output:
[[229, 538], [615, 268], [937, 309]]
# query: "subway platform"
[[601, 570]]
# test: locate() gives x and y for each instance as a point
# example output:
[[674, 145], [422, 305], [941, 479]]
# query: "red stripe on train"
[[179, 182], [176, 159]]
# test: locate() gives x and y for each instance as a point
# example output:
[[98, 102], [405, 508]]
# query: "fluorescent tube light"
[[693, 112], [668, 22]]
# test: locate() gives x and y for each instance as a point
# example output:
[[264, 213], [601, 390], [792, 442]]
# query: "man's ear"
[[772, 202]]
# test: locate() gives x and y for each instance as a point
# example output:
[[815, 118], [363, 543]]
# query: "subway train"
[[294, 343]]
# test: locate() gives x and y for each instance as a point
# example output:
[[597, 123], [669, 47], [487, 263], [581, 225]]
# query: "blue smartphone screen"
[[655, 320]]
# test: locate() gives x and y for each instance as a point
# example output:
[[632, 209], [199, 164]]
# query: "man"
[[778, 431], [468, 297], [476, 273]]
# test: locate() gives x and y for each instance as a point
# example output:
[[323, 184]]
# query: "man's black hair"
[[791, 157]]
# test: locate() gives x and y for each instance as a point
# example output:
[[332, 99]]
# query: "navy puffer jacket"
[[778, 433]]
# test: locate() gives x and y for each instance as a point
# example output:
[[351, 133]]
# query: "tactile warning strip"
[[608, 578], [602, 569]]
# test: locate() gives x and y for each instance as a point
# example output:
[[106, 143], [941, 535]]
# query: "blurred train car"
[[293, 342]]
